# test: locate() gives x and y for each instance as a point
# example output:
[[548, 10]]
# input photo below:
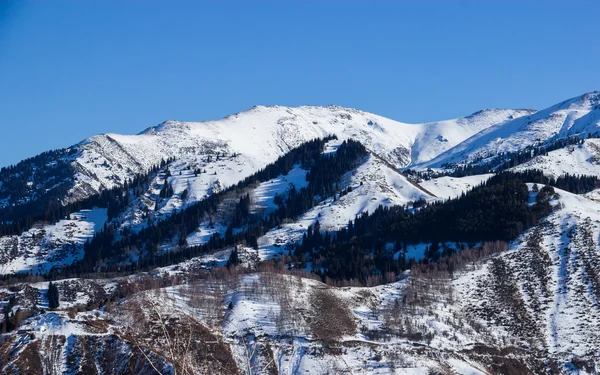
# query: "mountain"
[[576, 116], [372, 184], [227, 151], [108, 160], [309, 240], [582, 158], [112, 158], [530, 308]]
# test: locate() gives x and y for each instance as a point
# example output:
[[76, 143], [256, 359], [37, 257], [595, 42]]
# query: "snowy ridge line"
[[401, 174], [107, 160], [578, 116]]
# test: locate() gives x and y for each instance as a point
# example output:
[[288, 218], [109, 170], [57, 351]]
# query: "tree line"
[[20, 218], [31, 186], [107, 247], [502, 161], [495, 210]]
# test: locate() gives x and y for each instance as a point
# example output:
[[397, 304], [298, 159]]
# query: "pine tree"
[[233, 258], [53, 296]]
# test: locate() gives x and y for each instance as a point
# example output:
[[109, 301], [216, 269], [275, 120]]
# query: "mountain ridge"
[[579, 115], [398, 142]]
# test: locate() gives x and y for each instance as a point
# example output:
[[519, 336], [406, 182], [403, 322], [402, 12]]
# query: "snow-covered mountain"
[[576, 116], [530, 308], [526, 306], [40, 248], [229, 150], [260, 135], [582, 159]]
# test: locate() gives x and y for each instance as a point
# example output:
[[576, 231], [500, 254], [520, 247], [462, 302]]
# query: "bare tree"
[[165, 334], [333, 319]]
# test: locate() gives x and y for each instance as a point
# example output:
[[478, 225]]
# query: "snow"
[[463, 368], [452, 187], [43, 247], [265, 193], [582, 159], [95, 218], [109, 159], [204, 232], [373, 184], [441, 136], [415, 252], [579, 115], [54, 324]]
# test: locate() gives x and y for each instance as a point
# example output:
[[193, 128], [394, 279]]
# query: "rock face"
[[87, 344]]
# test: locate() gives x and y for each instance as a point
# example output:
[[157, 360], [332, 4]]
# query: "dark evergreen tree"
[[53, 296], [233, 260]]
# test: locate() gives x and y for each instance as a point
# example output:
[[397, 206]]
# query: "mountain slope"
[[576, 116], [580, 159], [372, 184], [108, 160], [40, 248], [545, 289], [257, 298]]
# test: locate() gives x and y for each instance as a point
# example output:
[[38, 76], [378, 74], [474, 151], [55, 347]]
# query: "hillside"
[[576, 116], [309, 240], [505, 311], [579, 159], [224, 151], [108, 160]]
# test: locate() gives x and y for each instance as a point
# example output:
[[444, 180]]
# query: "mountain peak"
[[488, 111], [575, 116], [590, 99], [157, 128]]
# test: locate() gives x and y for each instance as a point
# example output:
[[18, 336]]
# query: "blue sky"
[[72, 69]]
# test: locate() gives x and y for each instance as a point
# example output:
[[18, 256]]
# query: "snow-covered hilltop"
[[262, 134], [581, 158], [576, 116]]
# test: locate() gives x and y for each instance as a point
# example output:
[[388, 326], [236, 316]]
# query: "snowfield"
[[45, 246], [447, 187], [581, 159], [262, 134], [576, 116]]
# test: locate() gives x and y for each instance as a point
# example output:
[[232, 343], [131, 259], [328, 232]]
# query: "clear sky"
[[72, 69]]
